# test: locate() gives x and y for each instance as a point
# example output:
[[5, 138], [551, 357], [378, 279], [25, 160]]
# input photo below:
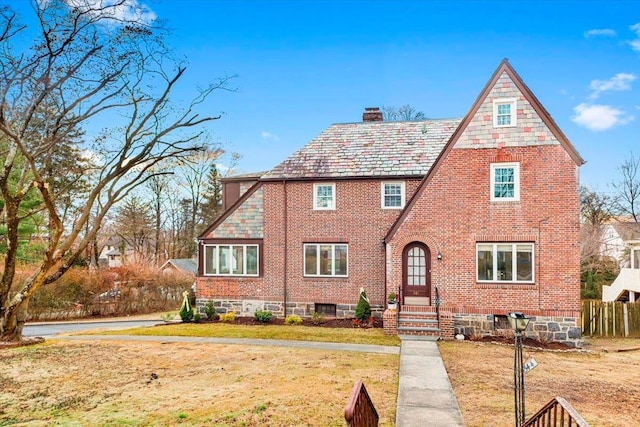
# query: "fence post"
[[625, 313]]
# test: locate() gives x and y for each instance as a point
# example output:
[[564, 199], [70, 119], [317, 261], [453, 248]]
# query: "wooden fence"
[[610, 319]]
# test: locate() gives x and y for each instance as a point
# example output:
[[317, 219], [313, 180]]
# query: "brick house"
[[479, 216]]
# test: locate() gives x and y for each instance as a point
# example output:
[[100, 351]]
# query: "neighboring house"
[[114, 252], [622, 242], [618, 240], [478, 215], [180, 265]]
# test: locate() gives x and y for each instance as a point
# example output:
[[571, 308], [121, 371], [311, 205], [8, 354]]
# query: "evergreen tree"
[[212, 204]]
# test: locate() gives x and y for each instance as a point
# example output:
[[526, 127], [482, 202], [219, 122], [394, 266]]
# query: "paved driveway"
[[49, 329]]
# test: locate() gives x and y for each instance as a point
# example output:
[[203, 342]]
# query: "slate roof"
[[369, 149]]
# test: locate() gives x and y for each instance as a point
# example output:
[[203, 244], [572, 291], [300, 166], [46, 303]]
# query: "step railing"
[[360, 411], [557, 413]]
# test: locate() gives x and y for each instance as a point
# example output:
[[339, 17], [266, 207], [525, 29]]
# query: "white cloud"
[[269, 135], [128, 11], [606, 32], [635, 44], [599, 117], [619, 82]]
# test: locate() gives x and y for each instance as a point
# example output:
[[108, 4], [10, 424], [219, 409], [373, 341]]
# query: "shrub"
[[186, 310], [363, 308], [210, 311], [292, 319], [229, 317], [263, 316], [317, 318]]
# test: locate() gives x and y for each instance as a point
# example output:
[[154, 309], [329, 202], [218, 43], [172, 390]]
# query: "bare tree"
[[404, 113], [88, 64], [627, 197], [595, 210]]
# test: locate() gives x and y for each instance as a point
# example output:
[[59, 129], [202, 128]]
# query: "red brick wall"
[[454, 212], [357, 220]]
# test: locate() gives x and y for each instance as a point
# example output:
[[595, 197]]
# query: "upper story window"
[[231, 260], [504, 112], [505, 182], [505, 262], [325, 259], [392, 195], [324, 196], [635, 258]]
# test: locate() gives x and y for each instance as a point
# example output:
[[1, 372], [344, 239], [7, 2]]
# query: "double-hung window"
[[505, 262], [505, 182], [325, 259], [504, 112], [324, 196], [392, 195], [231, 260]]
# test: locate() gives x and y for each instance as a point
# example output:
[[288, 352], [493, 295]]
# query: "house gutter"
[[286, 246]]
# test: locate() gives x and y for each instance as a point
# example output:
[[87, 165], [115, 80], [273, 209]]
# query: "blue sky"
[[303, 65]]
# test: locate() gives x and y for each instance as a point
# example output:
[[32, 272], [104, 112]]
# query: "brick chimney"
[[372, 114]]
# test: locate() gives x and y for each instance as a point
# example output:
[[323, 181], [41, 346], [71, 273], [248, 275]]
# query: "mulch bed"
[[527, 342], [324, 323]]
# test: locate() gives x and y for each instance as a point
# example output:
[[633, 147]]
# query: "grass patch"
[[374, 336], [125, 383]]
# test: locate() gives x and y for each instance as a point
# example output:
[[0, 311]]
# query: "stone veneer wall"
[[541, 328], [247, 308]]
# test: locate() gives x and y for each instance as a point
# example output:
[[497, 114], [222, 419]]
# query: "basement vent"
[[500, 321], [328, 310]]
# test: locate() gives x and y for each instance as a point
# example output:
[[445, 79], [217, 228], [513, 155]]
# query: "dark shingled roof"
[[369, 149]]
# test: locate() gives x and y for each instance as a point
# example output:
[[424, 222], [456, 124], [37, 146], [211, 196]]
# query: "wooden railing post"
[[359, 411]]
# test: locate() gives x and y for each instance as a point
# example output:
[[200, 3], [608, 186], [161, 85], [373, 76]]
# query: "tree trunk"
[[13, 321]]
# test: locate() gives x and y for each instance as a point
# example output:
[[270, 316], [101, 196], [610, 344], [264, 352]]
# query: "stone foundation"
[[541, 328], [247, 308]]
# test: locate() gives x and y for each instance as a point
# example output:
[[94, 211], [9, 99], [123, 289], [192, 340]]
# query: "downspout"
[[286, 262]]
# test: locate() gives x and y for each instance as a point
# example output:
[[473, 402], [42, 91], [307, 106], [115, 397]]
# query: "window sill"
[[506, 285], [324, 277]]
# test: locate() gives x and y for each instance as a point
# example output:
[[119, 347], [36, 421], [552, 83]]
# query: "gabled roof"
[[628, 231], [187, 265], [368, 149], [504, 67]]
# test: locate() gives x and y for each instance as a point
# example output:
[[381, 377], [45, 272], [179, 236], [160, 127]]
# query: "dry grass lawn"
[[98, 383], [603, 384]]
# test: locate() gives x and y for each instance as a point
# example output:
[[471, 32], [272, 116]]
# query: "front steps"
[[418, 320]]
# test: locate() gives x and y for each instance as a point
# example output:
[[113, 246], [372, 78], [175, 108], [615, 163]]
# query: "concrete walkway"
[[425, 396]]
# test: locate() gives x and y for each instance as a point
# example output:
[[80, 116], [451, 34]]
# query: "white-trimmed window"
[[635, 258], [505, 182], [231, 260], [504, 112], [392, 195], [505, 262], [324, 196], [325, 259]]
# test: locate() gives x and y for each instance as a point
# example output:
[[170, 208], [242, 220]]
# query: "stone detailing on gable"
[[246, 222], [530, 130]]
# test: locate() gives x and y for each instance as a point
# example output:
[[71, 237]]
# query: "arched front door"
[[416, 274]]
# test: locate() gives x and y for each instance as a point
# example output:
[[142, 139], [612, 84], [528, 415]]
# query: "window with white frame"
[[505, 182], [505, 262], [635, 258], [325, 259], [324, 196], [392, 195], [504, 112], [231, 260]]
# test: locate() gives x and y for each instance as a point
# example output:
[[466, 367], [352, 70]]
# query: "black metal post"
[[518, 380]]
